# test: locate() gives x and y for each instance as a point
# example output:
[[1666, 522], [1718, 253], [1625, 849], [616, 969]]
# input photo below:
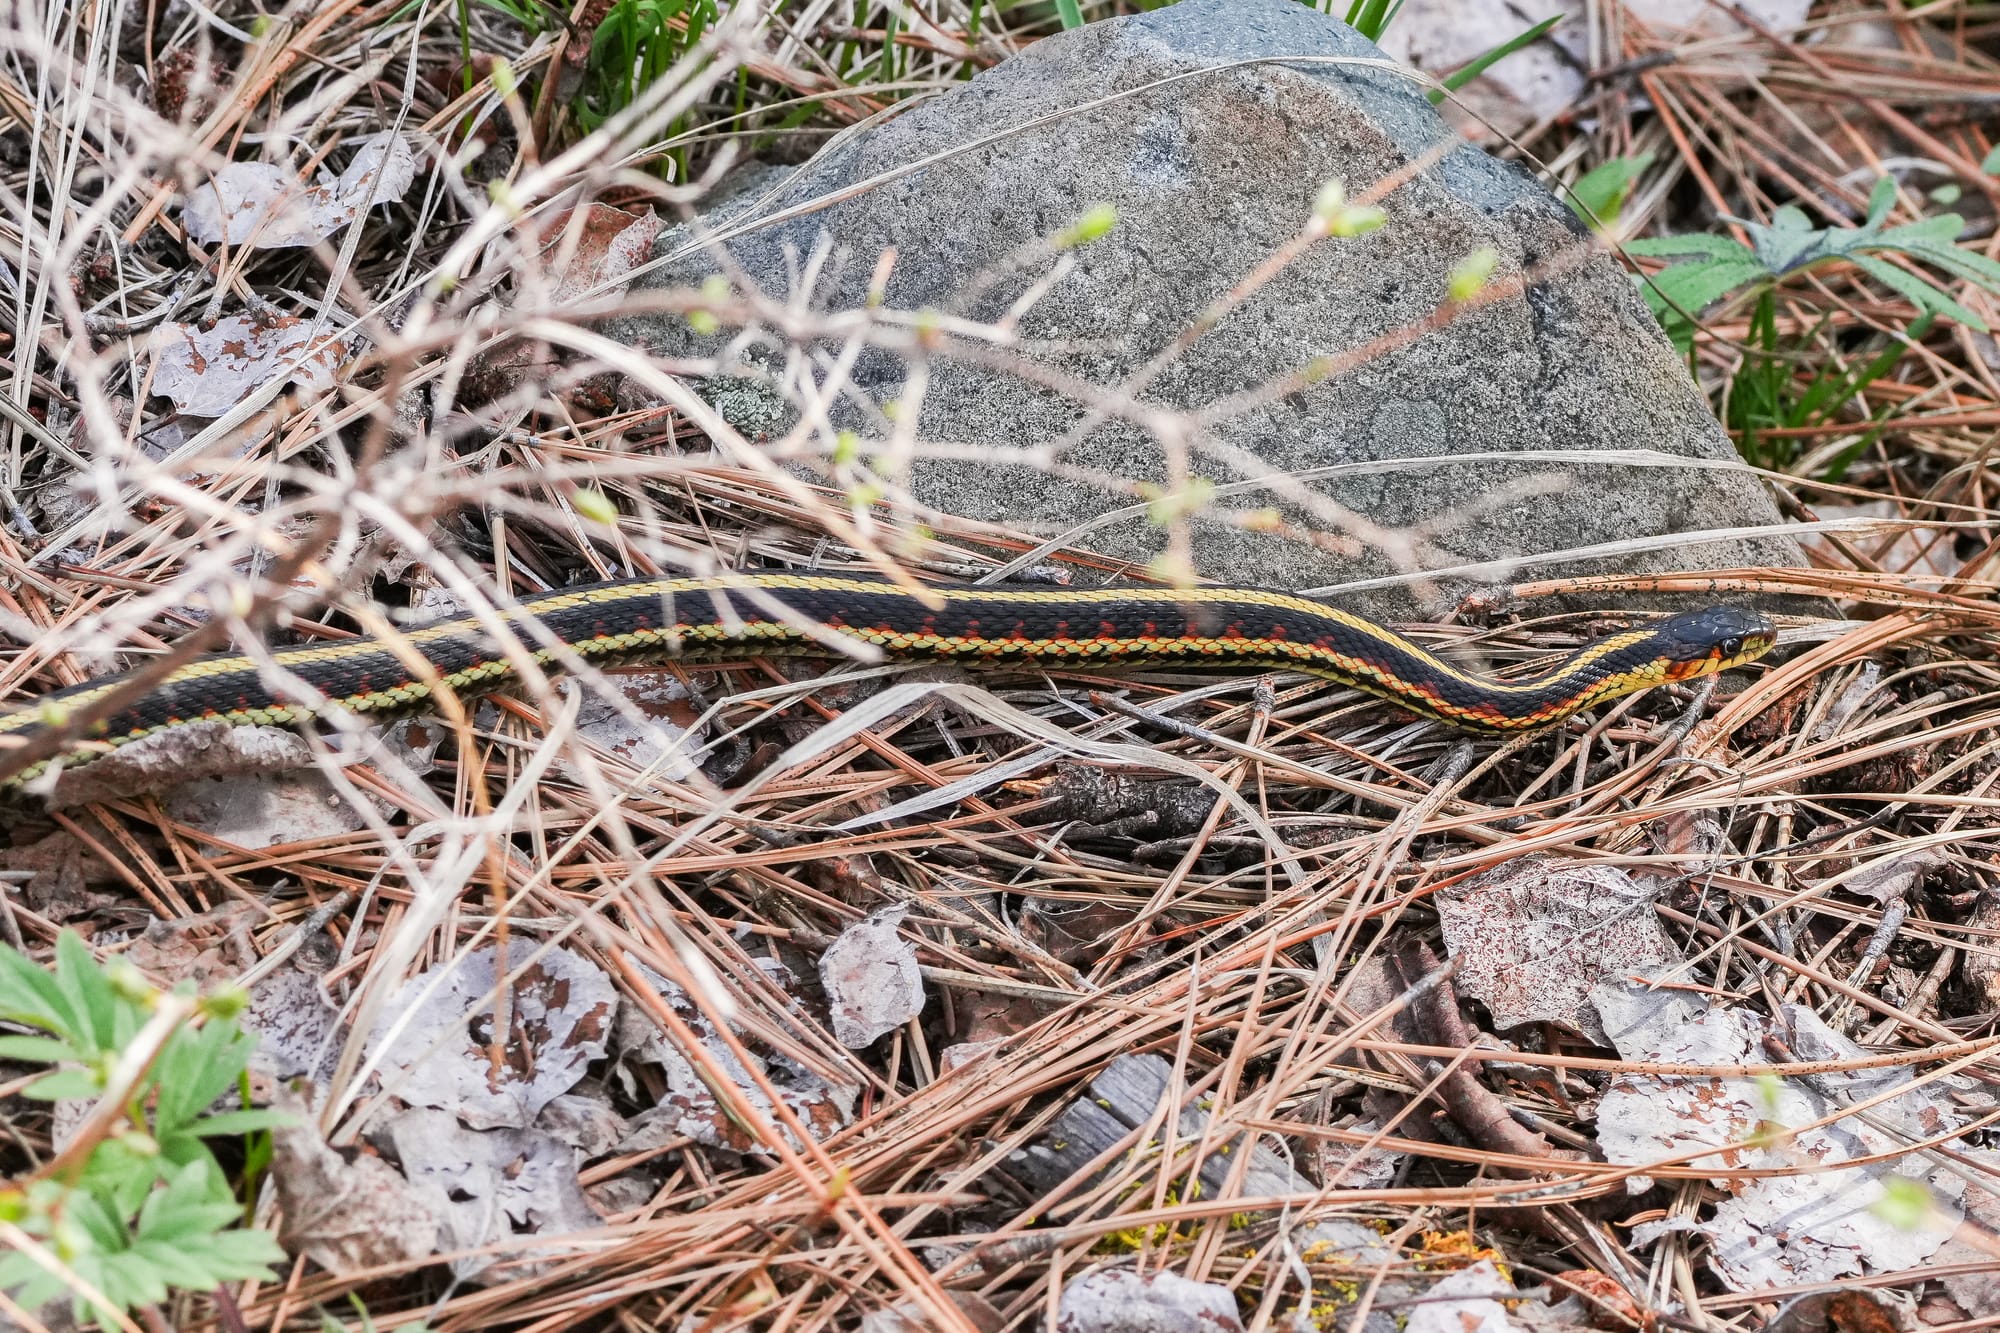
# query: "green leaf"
[[132, 1277], [1789, 242], [37, 1050], [244, 1253], [1069, 13], [1940, 232], [63, 1085], [94, 1222], [1599, 195], [1880, 200], [1479, 64], [1690, 288], [122, 1173], [89, 993], [28, 994], [1672, 247], [1990, 164], [195, 1068], [33, 1286], [1921, 294], [1371, 18], [1960, 263], [195, 1202], [238, 1122]]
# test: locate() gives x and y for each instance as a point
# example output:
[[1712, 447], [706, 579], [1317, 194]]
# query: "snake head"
[[1700, 643]]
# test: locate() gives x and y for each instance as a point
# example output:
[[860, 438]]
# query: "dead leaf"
[[1351, 1166], [210, 945], [1814, 1225], [1850, 700], [1467, 1301], [1533, 936], [206, 371], [871, 979], [690, 1109], [1693, 837], [1848, 1311], [60, 875], [264, 206], [1117, 1300], [1607, 1300], [345, 1216], [268, 810], [175, 758], [490, 1187], [601, 249], [661, 698], [1979, 968], [1922, 552], [297, 1027], [559, 1017], [1893, 877], [585, 1122]]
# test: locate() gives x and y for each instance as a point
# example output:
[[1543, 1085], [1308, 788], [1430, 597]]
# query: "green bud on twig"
[[594, 505], [1357, 220], [1470, 275], [1095, 222]]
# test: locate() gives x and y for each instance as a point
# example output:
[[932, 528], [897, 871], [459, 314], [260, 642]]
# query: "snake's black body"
[[696, 619]]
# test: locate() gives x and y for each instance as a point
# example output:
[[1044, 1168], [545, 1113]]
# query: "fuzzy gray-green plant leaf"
[[1718, 266]]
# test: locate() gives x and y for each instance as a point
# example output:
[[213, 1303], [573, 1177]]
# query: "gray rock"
[[1210, 174]]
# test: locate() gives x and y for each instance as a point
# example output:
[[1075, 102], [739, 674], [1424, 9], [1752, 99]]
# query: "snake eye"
[[1731, 647]]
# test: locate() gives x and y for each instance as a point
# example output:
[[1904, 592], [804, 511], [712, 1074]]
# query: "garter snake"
[[746, 615]]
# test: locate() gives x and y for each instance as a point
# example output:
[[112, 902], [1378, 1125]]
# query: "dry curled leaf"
[[263, 811], [264, 206], [590, 250], [174, 759], [346, 1216], [691, 1108], [1533, 936]]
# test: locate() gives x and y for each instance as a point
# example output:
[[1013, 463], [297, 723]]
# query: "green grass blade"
[[1479, 64], [1371, 18]]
